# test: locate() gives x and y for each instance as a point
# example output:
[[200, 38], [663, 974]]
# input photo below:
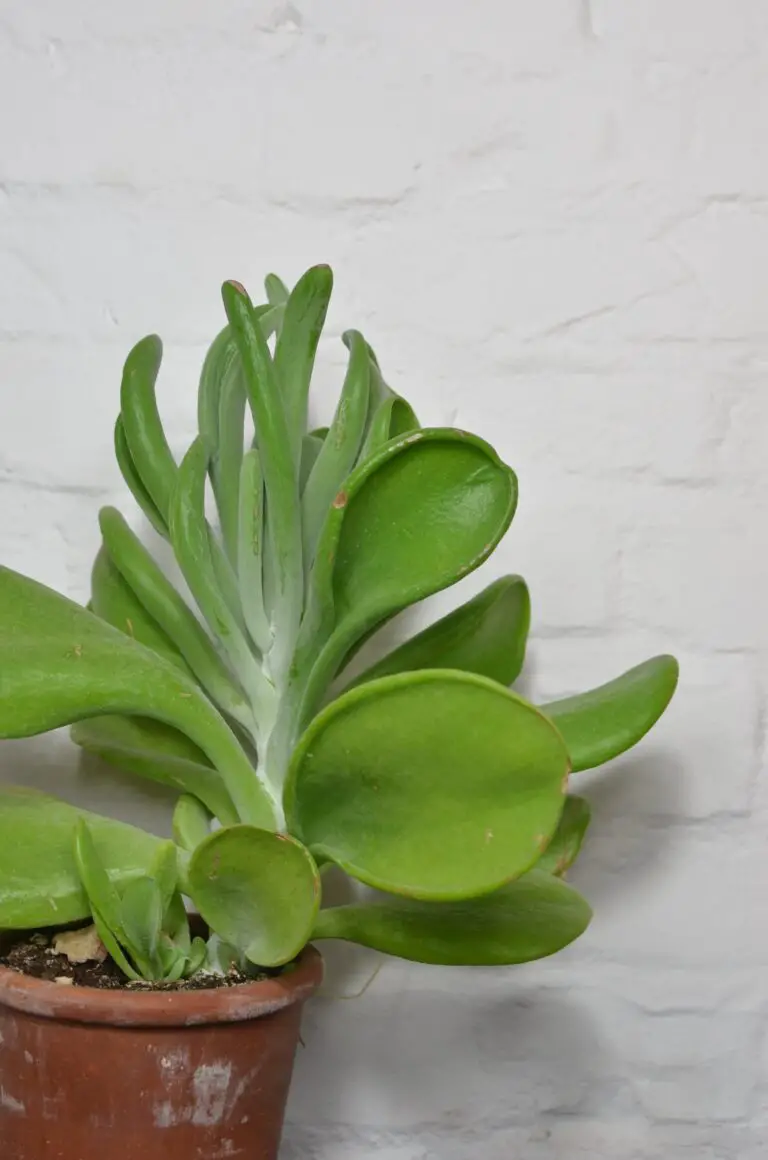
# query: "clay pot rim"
[[144, 1008]]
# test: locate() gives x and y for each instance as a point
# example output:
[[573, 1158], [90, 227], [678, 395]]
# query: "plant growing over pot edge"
[[426, 778]]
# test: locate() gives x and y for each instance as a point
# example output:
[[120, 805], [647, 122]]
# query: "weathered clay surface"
[[198, 1075]]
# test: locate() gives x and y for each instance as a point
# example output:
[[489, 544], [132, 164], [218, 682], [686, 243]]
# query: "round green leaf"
[[604, 722], [424, 512], [436, 785], [566, 842], [487, 635], [258, 891], [528, 919]]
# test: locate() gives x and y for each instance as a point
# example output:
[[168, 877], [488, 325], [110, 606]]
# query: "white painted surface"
[[552, 222]]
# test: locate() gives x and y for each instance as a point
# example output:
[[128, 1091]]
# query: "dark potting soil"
[[34, 955]]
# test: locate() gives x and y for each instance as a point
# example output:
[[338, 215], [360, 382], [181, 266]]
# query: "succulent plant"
[[425, 777]]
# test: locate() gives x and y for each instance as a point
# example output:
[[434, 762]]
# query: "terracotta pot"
[[124, 1075]]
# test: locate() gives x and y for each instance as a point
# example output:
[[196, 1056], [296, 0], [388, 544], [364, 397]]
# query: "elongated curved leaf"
[[305, 312], [39, 880], [487, 635], [425, 511], [250, 550], [191, 822], [258, 891], [311, 446], [144, 433], [528, 919], [599, 725], [390, 415], [278, 463], [164, 604], [194, 548], [133, 479], [155, 751], [60, 664], [339, 449], [435, 785], [114, 600], [567, 839], [276, 290]]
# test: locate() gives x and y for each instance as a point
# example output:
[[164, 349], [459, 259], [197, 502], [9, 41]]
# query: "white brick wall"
[[552, 221]]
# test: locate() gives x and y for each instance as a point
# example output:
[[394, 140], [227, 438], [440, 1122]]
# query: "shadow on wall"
[[452, 1060]]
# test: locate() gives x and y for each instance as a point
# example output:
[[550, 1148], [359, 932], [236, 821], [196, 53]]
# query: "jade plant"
[[424, 777]]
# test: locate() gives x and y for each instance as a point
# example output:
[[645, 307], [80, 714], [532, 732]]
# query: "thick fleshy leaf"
[[420, 515], [144, 433], [257, 891], [339, 449], [305, 312], [141, 912], [276, 290], [436, 784], [191, 822], [39, 880], [389, 415], [155, 751], [250, 550], [115, 601], [528, 919], [604, 722], [566, 842], [278, 460], [134, 481], [164, 604], [487, 635], [195, 551], [60, 664]]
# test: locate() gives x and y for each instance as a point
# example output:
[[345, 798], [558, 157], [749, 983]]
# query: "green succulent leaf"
[[420, 515], [113, 599], [567, 839], [274, 441], [311, 446], [390, 415], [144, 433], [305, 312], [276, 290], [39, 881], [258, 891], [141, 913], [533, 917], [164, 872], [339, 449], [60, 664], [220, 358], [191, 822], [134, 482], [195, 551], [250, 552], [435, 785], [603, 723], [164, 605], [487, 635], [159, 753], [196, 957]]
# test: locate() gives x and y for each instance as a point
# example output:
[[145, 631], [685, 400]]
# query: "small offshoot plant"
[[424, 777]]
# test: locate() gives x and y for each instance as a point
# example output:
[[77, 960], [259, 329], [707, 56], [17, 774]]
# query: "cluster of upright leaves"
[[144, 923], [427, 778]]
